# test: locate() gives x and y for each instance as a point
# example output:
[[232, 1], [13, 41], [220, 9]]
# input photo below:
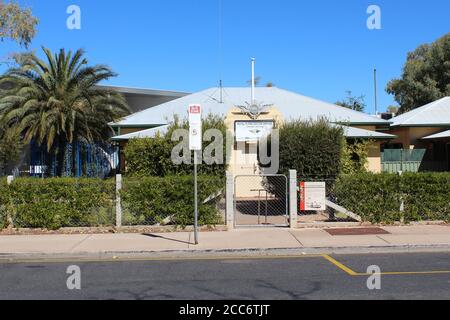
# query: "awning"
[[150, 133], [442, 135], [357, 133]]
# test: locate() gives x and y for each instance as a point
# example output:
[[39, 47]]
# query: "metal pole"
[[195, 199], [267, 202], [253, 81], [376, 91]]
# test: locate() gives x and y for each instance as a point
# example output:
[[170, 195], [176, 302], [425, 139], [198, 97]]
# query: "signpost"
[[313, 196], [195, 144]]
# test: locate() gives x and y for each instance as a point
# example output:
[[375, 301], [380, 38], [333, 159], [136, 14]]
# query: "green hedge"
[[377, 198], [56, 203], [169, 200], [313, 148], [4, 201]]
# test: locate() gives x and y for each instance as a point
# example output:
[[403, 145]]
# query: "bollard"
[[293, 201], [230, 201]]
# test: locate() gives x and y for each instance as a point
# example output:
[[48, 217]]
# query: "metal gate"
[[261, 201]]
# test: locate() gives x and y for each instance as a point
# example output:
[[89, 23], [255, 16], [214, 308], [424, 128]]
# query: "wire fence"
[[261, 200], [169, 201], [258, 201]]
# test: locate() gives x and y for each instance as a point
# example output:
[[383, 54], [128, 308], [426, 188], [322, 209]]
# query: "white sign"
[[252, 131], [195, 127], [312, 196]]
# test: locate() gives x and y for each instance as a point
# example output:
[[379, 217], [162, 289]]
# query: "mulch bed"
[[356, 231]]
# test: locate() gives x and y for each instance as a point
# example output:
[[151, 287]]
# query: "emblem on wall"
[[254, 110]]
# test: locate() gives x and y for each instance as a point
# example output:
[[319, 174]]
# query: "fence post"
[[9, 219], [293, 201], [230, 201], [118, 201]]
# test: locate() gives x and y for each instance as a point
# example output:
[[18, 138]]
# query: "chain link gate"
[[261, 200]]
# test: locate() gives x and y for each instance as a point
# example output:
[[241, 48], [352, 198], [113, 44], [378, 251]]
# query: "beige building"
[[244, 116], [423, 135]]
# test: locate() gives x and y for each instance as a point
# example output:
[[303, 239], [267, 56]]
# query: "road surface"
[[404, 276]]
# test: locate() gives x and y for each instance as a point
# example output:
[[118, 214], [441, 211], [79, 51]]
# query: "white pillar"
[[118, 201], [230, 201], [293, 203], [9, 180]]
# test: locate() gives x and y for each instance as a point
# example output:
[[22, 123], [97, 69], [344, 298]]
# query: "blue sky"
[[318, 48]]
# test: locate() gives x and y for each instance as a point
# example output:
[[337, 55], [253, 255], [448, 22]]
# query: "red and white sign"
[[195, 127], [195, 109], [313, 196]]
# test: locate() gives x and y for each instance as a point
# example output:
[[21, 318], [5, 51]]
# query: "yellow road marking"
[[407, 273], [353, 273], [340, 265]]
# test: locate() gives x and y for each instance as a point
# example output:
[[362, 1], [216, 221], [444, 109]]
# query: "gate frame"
[[234, 199]]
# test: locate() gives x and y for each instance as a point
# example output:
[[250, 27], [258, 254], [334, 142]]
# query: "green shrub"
[[62, 202], [355, 156], [313, 148], [378, 198], [153, 156], [169, 200], [149, 157]]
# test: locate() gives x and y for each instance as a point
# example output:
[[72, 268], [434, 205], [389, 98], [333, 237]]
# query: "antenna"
[[221, 49], [376, 91], [253, 81], [221, 91]]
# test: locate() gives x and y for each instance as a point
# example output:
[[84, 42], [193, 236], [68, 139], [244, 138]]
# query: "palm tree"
[[56, 102]]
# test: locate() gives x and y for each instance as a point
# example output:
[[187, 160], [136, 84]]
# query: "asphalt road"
[[404, 276]]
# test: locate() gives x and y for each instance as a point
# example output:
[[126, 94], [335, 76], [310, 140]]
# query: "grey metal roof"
[[146, 92], [349, 132], [357, 133], [150, 133], [441, 135], [290, 104], [436, 113]]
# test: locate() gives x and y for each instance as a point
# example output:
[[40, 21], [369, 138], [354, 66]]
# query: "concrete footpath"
[[242, 242]]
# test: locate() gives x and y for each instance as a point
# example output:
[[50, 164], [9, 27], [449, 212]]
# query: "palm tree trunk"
[[60, 157]]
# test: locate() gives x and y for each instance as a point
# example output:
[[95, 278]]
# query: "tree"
[[257, 81], [56, 102], [393, 109], [11, 147], [352, 102], [426, 76], [16, 23]]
